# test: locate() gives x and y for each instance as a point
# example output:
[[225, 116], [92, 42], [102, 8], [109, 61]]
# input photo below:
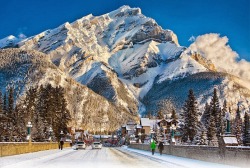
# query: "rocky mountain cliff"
[[25, 68], [132, 63]]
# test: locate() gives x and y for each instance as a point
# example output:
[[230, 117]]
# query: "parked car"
[[80, 145], [96, 145]]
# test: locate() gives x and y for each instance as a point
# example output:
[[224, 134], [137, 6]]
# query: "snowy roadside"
[[26, 158], [180, 161]]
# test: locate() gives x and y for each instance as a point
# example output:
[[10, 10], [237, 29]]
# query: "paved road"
[[102, 158], [98, 158]]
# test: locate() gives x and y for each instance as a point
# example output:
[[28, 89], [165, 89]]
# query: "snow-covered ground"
[[106, 157], [175, 160]]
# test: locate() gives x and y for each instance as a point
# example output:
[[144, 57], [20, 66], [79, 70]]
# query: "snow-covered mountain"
[[87, 49], [131, 61], [25, 68], [9, 41]]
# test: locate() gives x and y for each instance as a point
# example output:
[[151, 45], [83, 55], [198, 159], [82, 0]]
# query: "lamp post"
[[172, 128], [132, 137], [151, 135], [164, 129], [50, 134], [227, 116], [139, 134], [61, 134], [29, 126]]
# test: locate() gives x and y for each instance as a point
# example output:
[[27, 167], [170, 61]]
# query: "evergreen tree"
[[231, 121], [30, 103], [38, 128], [223, 117], [11, 102], [211, 130], [1, 103], [220, 129], [160, 115], [43, 107], [215, 112], [246, 130], [237, 130], [174, 116], [49, 99], [190, 117], [203, 139], [62, 115], [206, 116], [20, 122], [5, 103]]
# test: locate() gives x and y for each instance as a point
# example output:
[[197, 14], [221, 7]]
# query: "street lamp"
[[132, 137], [139, 134], [151, 134], [61, 134], [29, 126], [227, 116], [50, 134], [164, 129], [172, 128]]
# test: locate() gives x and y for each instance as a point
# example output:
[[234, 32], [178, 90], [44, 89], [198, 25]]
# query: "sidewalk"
[[29, 157], [184, 162]]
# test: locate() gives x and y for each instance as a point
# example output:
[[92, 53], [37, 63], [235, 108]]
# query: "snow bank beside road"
[[180, 161]]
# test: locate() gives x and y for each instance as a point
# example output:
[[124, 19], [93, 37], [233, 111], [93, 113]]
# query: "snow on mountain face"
[[203, 84], [98, 36], [22, 69], [123, 55], [9, 41], [79, 47]]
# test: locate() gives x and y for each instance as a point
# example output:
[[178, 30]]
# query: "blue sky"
[[229, 18]]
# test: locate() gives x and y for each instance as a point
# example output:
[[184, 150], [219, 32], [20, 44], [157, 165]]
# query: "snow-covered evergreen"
[[190, 117], [120, 64], [246, 129], [206, 116], [215, 111], [237, 126]]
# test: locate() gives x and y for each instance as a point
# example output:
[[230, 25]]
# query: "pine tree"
[[11, 102], [223, 117], [211, 130], [190, 117], [215, 112], [62, 115], [38, 128], [160, 115], [31, 103], [1, 103], [5, 104], [246, 130], [238, 126], [220, 129], [203, 138], [174, 116], [206, 116], [20, 124], [49, 102]]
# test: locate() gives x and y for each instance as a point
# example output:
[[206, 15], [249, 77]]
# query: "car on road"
[[80, 145], [96, 145]]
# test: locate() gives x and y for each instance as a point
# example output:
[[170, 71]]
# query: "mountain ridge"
[[123, 55]]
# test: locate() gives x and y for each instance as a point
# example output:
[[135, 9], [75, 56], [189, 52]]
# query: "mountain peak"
[[9, 41], [124, 7], [125, 10]]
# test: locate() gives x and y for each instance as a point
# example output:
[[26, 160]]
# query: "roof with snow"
[[145, 122], [138, 126]]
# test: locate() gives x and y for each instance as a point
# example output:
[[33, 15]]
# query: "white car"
[[80, 145], [96, 145]]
